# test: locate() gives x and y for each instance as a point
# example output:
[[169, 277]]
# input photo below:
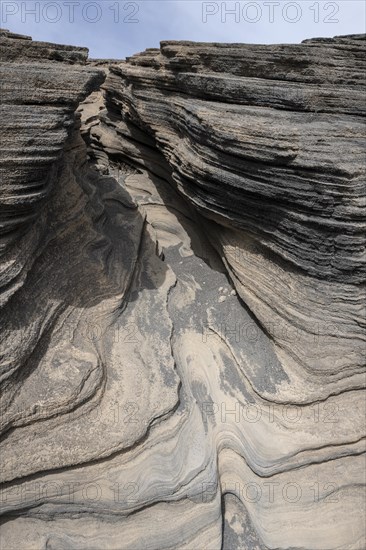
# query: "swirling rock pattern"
[[181, 297]]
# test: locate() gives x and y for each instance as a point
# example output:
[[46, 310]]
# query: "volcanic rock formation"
[[182, 300]]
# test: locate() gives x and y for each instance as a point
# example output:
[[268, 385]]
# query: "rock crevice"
[[182, 300]]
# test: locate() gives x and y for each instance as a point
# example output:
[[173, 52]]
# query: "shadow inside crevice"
[[90, 255]]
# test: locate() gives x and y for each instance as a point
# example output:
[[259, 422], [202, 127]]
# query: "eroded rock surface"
[[181, 292]]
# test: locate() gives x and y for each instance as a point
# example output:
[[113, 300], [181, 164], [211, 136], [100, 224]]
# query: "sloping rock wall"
[[181, 297]]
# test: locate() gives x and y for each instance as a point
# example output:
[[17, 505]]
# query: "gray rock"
[[181, 300]]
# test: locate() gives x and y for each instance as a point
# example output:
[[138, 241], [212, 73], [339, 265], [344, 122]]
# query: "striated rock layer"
[[182, 300]]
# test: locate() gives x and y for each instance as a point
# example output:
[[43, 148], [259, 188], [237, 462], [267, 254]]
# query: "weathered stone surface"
[[181, 297]]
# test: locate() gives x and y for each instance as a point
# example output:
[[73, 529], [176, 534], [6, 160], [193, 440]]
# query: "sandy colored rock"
[[182, 301]]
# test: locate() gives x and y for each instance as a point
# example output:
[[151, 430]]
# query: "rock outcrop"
[[182, 300]]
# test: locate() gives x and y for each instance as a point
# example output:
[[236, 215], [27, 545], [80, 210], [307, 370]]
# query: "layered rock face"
[[182, 267]]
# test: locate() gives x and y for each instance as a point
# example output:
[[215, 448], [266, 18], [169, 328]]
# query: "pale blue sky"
[[118, 28]]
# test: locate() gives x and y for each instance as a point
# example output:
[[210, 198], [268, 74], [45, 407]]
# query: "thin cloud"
[[116, 29]]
